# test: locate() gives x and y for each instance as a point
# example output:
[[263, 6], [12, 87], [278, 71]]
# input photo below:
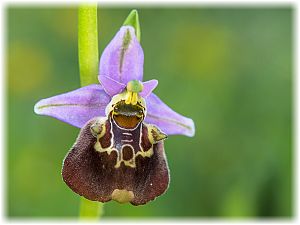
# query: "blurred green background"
[[230, 69]]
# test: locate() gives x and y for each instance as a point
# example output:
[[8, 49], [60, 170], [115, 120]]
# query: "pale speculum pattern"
[[127, 143]]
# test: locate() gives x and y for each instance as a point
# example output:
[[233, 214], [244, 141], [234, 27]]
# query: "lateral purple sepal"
[[170, 122], [75, 107]]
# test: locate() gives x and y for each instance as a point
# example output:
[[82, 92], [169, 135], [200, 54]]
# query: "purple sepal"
[[123, 58], [75, 107], [170, 122]]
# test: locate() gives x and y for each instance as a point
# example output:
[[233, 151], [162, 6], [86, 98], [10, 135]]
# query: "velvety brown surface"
[[93, 175]]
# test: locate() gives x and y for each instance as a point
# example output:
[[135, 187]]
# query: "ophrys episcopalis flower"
[[119, 153]]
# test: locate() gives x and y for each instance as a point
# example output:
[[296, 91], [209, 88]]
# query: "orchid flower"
[[119, 153]]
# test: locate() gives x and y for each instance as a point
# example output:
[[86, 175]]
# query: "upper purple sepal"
[[123, 58], [122, 61]]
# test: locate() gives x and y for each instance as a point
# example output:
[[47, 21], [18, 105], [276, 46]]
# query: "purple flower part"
[[123, 58], [170, 122], [111, 86], [149, 86], [75, 107]]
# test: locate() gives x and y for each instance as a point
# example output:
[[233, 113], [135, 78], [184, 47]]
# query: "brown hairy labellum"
[[119, 158]]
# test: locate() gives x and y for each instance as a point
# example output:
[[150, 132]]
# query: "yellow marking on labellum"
[[132, 162], [98, 128], [122, 196], [155, 134], [99, 148], [148, 153], [129, 162]]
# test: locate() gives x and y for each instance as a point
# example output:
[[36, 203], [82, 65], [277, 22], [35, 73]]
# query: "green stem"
[[88, 66], [89, 209], [88, 44]]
